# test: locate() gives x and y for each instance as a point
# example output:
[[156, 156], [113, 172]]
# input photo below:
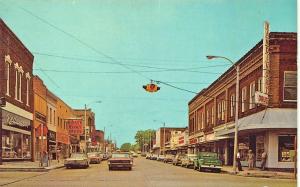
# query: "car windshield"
[[93, 154], [120, 155], [210, 155], [77, 155]]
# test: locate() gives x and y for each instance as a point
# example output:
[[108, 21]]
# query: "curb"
[[45, 169], [261, 175]]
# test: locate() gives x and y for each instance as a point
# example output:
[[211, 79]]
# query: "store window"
[[286, 147], [15, 145], [290, 86], [244, 147]]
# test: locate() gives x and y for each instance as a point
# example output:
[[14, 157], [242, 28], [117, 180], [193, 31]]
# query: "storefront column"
[[226, 152], [0, 136]]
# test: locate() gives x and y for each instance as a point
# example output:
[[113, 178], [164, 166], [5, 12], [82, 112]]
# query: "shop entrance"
[[230, 147]]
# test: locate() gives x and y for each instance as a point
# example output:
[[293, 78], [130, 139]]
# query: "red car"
[[120, 160]]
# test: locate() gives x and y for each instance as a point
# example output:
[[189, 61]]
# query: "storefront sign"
[[40, 117], [261, 98], [75, 126], [62, 138], [181, 140], [41, 130], [210, 137], [193, 141], [16, 121]]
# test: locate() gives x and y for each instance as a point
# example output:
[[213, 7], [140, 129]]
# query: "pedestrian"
[[238, 161], [250, 160], [263, 159]]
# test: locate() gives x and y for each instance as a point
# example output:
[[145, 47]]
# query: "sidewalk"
[[256, 172], [30, 166]]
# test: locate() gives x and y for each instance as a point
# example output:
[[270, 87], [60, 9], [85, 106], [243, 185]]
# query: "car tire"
[[199, 169], [195, 167], [130, 168]]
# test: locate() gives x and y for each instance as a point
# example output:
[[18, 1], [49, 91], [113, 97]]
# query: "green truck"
[[207, 161]]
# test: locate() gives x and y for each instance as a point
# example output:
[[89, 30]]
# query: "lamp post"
[[85, 109], [237, 68]]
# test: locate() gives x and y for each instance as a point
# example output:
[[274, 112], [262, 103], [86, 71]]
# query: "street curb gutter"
[[46, 169], [262, 175]]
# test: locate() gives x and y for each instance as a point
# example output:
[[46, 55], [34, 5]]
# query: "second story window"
[[259, 85], [7, 71], [252, 95], [232, 105], [244, 98], [290, 86], [212, 115]]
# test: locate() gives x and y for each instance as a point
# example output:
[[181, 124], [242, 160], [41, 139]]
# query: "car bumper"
[[75, 165], [120, 165], [211, 166]]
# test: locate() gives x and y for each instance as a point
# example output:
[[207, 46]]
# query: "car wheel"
[[130, 168], [199, 168], [195, 167]]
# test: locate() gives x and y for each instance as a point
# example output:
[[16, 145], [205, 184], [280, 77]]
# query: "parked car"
[[209, 161], [120, 160], [143, 154], [77, 160], [177, 159], [94, 157], [153, 157], [188, 160], [139, 152], [169, 158], [148, 155], [134, 155], [161, 158], [104, 156]]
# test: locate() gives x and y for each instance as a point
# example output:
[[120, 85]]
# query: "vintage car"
[[148, 155], [160, 158], [120, 160], [134, 155], [169, 158], [94, 157], [188, 160], [208, 161], [177, 159], [153, 157], [77, 160]]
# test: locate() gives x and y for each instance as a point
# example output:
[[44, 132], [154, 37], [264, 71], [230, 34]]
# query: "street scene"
[[148, 93], [144, 173]]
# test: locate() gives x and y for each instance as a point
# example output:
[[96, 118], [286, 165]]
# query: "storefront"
[[52, 147], [16, 137], [63, 143]]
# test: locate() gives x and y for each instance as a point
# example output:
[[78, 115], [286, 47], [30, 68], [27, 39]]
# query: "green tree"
[[144, 137], [125, 147]]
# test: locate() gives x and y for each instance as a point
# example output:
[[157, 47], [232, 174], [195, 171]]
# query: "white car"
[[77, 160]]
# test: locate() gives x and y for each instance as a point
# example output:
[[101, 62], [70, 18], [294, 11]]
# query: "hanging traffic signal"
[[151, 87]]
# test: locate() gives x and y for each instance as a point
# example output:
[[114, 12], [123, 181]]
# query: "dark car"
[[120, 160], [177, 159], [153, 157], [208, 161], [77, 160], [94, 157]]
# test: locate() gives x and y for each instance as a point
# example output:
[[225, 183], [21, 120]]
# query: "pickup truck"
[[207, 161]]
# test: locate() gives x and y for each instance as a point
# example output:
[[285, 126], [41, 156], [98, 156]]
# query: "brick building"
[[39, 118], [16, 86], [163, 137], [272, 127]]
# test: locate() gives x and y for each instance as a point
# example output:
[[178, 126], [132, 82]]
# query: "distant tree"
[[125, 147], [143, 138]]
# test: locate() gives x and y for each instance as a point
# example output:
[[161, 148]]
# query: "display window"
[[244, 147], [15, 145], [286, 145]]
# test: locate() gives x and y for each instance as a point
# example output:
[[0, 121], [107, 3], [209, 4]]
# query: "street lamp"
[[85, 108], [164, 150], [237, 68]]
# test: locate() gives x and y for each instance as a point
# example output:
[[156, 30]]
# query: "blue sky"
[[165, 35]]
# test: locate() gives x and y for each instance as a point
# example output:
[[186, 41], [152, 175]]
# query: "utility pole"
[[164, 137], [85, 147]]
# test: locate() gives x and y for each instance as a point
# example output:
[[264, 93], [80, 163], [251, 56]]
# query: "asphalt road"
[[144, 173]]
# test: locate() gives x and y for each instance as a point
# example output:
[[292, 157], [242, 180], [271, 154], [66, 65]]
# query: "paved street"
[[145, 173]]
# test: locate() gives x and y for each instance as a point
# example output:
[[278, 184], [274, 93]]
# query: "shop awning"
[[271, 118]]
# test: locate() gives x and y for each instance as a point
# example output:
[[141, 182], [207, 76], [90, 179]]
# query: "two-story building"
[[271, 127], [16, 117]]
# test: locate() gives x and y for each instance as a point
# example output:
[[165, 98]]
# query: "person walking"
[[238, 161], [250, 160], [263, 160]]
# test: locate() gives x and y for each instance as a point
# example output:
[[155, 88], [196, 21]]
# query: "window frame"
[[252, 95], [244, 99], [283, 86]]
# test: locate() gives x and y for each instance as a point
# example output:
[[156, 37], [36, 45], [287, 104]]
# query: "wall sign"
[[16, 121]]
